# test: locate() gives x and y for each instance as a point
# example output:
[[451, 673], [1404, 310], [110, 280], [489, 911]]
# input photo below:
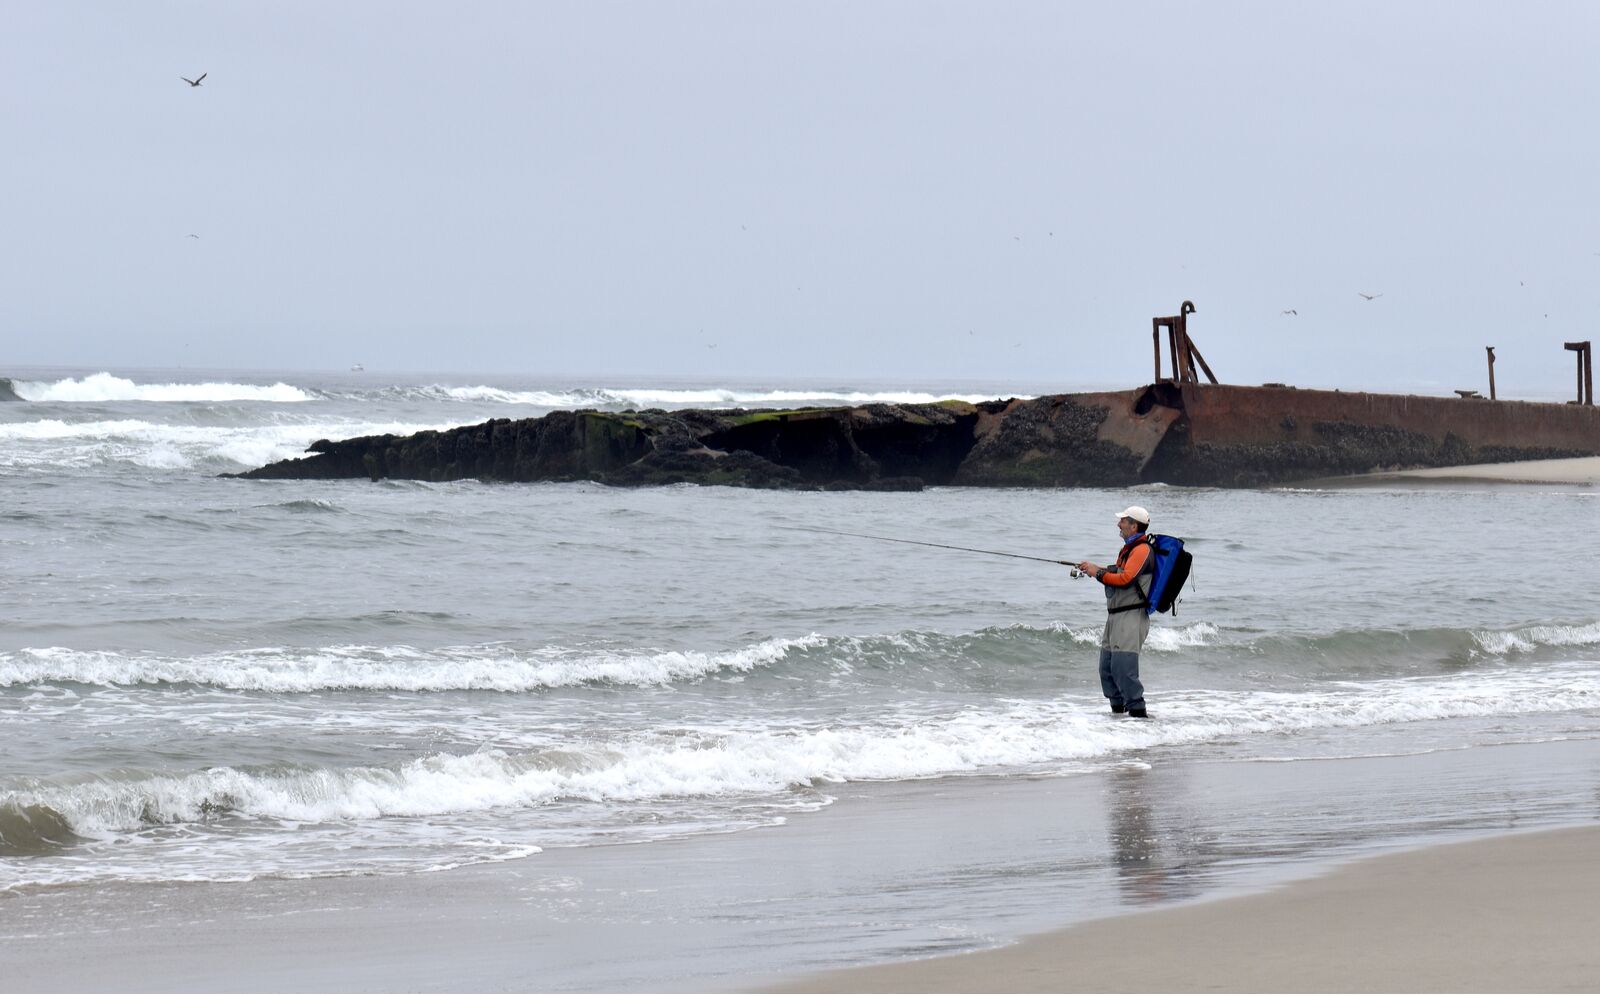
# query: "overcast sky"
[[841, 192]]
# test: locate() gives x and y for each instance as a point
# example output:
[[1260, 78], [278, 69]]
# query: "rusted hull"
[[1188, 433], [1256, 415], [1240, 436]]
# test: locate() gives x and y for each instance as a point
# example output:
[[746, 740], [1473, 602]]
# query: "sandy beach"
[[1513, 913], [1583, 471]]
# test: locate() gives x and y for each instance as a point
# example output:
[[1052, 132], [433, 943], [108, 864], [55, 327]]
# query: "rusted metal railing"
[[1185, 357]]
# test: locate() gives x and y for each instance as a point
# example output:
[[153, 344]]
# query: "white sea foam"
[[393, 668], [649, 397], [102, 387], [734, 761], [1165, 638], [135, 442], [1499, 643], [1162, 638]]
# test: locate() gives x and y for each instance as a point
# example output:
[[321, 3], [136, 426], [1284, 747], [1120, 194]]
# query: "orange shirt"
[[1130, 563]]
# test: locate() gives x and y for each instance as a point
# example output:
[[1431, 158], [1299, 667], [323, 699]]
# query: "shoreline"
[[890, 872], [1574, 471], [1511, 912]]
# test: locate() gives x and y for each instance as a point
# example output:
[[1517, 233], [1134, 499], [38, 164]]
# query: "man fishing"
[[1149, 574], [1127, 622]]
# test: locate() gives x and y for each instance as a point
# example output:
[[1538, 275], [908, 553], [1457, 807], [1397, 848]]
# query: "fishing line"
[[941, 546]]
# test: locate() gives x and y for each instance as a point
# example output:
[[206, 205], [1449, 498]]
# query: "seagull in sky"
[[1368, 296], [1289, 311], [194, 82], [191, 235]]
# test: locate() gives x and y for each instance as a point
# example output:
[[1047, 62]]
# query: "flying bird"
[[1368, 296], [191, 235], [1289, 311], [194, 82]]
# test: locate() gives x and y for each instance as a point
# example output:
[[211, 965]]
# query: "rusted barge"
[[1176, 430]]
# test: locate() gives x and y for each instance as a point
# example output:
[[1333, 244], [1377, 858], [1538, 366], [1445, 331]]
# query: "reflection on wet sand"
[[1156, 852]]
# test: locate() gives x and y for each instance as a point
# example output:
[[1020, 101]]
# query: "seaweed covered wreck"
[[1176, 430]]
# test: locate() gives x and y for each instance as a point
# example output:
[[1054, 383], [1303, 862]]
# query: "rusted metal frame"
[[1155, 343], [1585, 358], [1188, 352], [1184, 354]]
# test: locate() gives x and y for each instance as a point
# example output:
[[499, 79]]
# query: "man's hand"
[[1088, 568]]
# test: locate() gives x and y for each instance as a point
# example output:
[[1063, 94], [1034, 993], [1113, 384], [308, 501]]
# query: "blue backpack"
[[1171, 570]]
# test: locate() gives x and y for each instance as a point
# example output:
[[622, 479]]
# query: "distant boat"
[[357, 368]]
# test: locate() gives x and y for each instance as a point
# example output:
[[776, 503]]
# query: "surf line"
[[941, 546]]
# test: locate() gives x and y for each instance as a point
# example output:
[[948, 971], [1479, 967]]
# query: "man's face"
[[1127, 527]]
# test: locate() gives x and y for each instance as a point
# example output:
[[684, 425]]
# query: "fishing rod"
[[942, 546]]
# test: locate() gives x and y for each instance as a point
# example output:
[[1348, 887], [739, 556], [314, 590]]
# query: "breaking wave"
[[908, 657], [102, 387], [398, 668], [32, 828], [106, 387], [713, 762], [52, 443], [651, 397], [1463, 645], [1501, 643]]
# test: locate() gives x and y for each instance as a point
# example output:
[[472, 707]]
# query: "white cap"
[[1135, 512]]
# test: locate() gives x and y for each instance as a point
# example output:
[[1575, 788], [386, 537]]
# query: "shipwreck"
[[1177, 429]]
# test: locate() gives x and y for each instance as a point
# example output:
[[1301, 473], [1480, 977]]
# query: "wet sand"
[[1514, 913], [895, 872], [1575, 470]]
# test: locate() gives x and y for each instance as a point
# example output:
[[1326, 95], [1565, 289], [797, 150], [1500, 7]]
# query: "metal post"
[[1588, 372], [1491, 371], [1184, 311], [1155, 341], [1585, 370]]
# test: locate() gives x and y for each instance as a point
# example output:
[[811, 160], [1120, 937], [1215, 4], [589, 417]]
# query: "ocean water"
[[206, 679]]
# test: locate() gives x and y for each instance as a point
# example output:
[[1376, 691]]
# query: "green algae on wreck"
[[1194, 434]]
